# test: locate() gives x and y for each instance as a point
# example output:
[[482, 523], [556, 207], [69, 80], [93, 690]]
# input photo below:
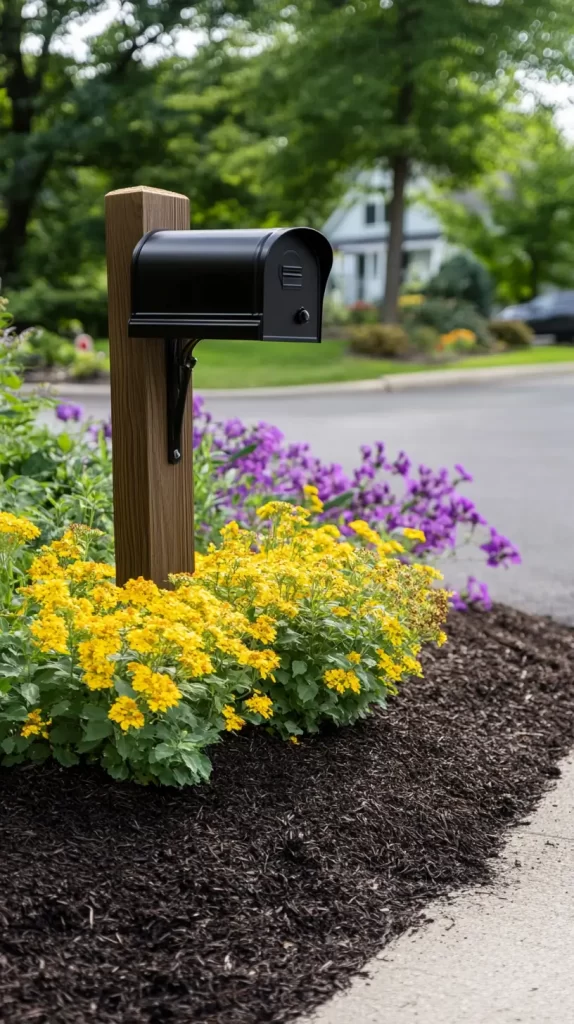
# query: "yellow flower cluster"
[[366, 532], [15, 530], [35, 725], [232, 720], [412, 534], [260, 704], [158, 688], [126, 713], [459, 334], [340, 680], [312, 494]]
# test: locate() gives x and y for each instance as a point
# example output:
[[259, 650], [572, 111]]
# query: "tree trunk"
[[19, 202], [400, 172]]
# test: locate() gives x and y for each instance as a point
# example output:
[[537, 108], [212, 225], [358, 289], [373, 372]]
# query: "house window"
[[370, 213]]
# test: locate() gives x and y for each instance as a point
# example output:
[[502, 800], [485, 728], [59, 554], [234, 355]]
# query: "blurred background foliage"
[[268, 117]]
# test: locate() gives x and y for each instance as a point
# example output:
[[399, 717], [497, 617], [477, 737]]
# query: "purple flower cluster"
[[68, 411], [255, 464]]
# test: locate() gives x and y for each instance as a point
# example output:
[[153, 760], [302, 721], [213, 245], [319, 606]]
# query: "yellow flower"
[[391, 668], [263, 629], [412, 666], [313, 494], [293, 739], [411, 534], [94, 658], [341, 612], [340, 680], [232, 720], [159, 689], [126, 713], [260, 704], [35, 726], [16, 530], [50, 633], [429, 571], [264, 662], [441, 639], [354, 657]]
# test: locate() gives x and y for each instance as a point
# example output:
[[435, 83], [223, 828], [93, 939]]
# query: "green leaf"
[[306, 690], [340, 501], [162, 751], [65, 442], [119, 771], [30, 693], [95, 712], [198, 763], [98, 730], [298, 668], [8, 744], [59, 709], [65, 756], [65, 732], [39, 752], [10, 380]]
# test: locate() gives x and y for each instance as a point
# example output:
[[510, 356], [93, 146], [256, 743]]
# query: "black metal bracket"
[[179, 363]]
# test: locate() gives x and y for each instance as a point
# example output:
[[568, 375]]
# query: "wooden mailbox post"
[[153, 500]]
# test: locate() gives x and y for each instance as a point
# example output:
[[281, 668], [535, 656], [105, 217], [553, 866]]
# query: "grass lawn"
[[251, 364]]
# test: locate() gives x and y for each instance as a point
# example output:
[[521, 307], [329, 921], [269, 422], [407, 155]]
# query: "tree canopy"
[[519, 216]]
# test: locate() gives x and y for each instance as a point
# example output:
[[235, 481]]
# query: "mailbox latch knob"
[[302, 316]]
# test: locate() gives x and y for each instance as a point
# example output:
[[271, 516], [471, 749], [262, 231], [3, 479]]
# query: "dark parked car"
[[547, 314]]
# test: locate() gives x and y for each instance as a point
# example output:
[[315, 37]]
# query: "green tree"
[[407, 85], [519, 216], [69, 123]]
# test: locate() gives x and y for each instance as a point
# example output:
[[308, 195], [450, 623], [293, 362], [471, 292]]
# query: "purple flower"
[[67, 412]]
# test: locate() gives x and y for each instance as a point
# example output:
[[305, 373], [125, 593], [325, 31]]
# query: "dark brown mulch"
[[256, 898]]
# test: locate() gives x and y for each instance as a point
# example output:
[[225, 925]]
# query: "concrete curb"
[[389, 382]]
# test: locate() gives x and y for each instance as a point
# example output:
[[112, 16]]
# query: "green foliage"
[[87, 365], [462, 277], [46, 349], [520, 222], [424, 340], [514, 334], [51, 306], [379, 340], [445, 315]]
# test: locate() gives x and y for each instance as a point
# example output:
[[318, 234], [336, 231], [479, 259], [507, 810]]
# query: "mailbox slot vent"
[[291, 276]]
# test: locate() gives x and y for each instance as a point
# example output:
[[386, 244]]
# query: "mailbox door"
[[292, 294]]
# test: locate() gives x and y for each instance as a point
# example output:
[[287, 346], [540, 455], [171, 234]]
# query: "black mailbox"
[[252, 284]]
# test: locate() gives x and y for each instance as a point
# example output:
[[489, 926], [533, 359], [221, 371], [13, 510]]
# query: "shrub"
[[380, 341], [463, 278], [512, 333], [361, 312], [424, 339], [335, 314], [46, 349], [89, 364], [446, 315], [288, 626]]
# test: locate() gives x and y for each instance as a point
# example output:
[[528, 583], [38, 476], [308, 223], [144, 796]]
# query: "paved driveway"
[[516, 437]]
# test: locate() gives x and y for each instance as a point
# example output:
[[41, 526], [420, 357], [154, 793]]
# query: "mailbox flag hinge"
[[179, 363]]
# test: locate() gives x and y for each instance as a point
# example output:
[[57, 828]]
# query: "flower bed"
[[257, 898]]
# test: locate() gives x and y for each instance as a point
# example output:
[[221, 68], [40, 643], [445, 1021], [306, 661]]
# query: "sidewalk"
[[501, 955], [390, 382]]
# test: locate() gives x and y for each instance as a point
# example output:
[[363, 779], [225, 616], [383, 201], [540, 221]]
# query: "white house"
[[358, 231]]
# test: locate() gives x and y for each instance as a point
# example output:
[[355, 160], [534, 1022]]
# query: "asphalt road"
[[515, 437]]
